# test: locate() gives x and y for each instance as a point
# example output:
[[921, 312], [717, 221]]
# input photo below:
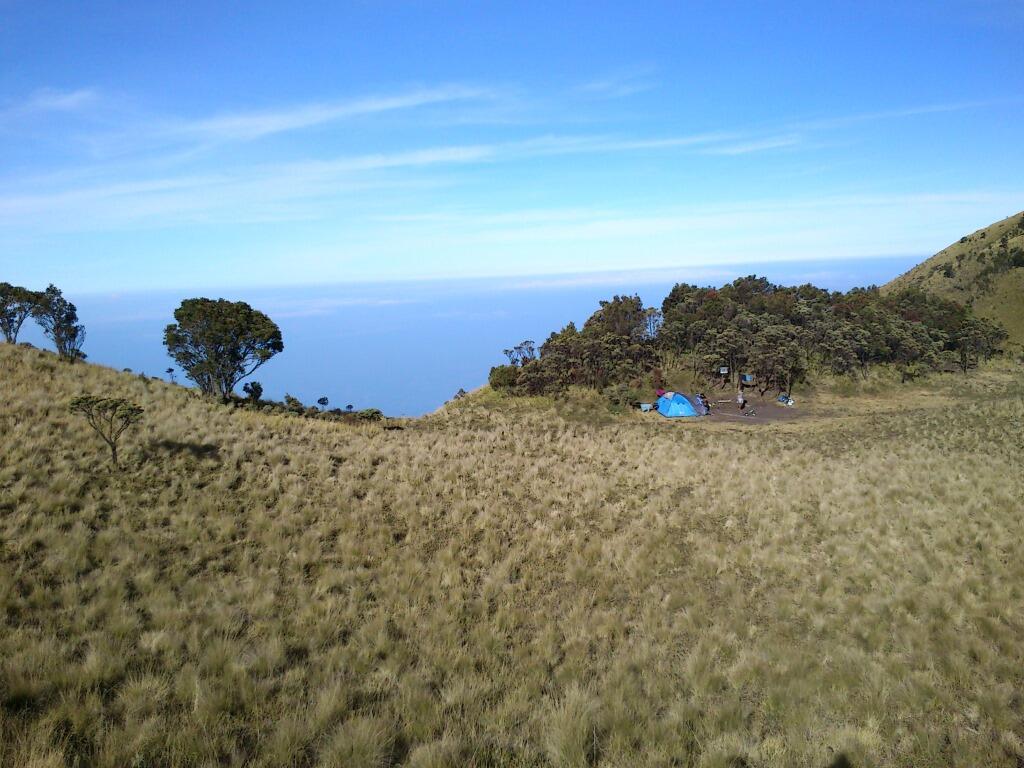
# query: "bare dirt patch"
[[759, 410]]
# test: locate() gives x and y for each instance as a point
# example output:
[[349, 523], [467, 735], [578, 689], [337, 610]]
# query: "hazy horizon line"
[[525, 280]]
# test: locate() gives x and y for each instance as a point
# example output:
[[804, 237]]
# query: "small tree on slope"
[[109, 416]]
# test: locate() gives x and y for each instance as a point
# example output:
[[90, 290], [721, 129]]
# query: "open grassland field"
[[505, 585], [984, 269]]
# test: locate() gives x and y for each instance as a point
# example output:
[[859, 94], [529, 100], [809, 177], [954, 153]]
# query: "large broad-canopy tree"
[[218, 342], [16, 306]]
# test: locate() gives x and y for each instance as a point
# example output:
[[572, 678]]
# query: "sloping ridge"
[[984, 269]]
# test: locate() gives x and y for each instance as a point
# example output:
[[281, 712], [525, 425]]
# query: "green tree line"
[[781, 335]]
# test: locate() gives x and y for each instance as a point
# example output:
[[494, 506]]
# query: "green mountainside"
[[984, 269]]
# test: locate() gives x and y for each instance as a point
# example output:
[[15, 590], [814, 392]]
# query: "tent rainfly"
[[674, 405]]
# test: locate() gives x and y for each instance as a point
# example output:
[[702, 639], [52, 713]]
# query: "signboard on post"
[[723, 370]]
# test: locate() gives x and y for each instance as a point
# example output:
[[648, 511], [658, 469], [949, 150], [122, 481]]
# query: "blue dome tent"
[[673, 405]]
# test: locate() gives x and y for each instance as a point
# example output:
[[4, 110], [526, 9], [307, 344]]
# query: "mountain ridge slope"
[[984, 269]]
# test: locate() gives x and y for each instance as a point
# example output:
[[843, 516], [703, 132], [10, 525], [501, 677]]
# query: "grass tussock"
[[518, 586]]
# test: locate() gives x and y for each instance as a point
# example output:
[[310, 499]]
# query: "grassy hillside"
[[985, 269], [501, 586]]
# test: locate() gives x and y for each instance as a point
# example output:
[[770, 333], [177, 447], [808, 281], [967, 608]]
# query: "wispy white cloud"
[[314, 189], [771, 229], [755, 145], [48, 100], [517, 217], [620, 84], [61, 101], [840, 121], [613, 144], [244, 126], [270, 192], [139, 193], [318, 306], [632, 278]]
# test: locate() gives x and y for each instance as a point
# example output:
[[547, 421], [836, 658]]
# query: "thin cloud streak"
[[759, 145], [322, 306], [48, 100], [823, 228], [271, 192], [312, 189], [620, 84], [892, 114], [239, 189], [246, 126]]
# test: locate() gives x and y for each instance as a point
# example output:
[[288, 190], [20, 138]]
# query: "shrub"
[[503, 377], [618, 394], [253, 390], [369, 414]]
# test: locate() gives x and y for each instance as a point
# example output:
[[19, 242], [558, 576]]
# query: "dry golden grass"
[[510, 586]]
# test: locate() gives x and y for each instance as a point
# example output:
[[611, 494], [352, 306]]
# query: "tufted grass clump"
[[512, 584]]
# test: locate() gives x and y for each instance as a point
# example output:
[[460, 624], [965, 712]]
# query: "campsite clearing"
[[683, 409], [761, 410]]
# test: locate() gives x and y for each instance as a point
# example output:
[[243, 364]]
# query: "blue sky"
[[202, 145]]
